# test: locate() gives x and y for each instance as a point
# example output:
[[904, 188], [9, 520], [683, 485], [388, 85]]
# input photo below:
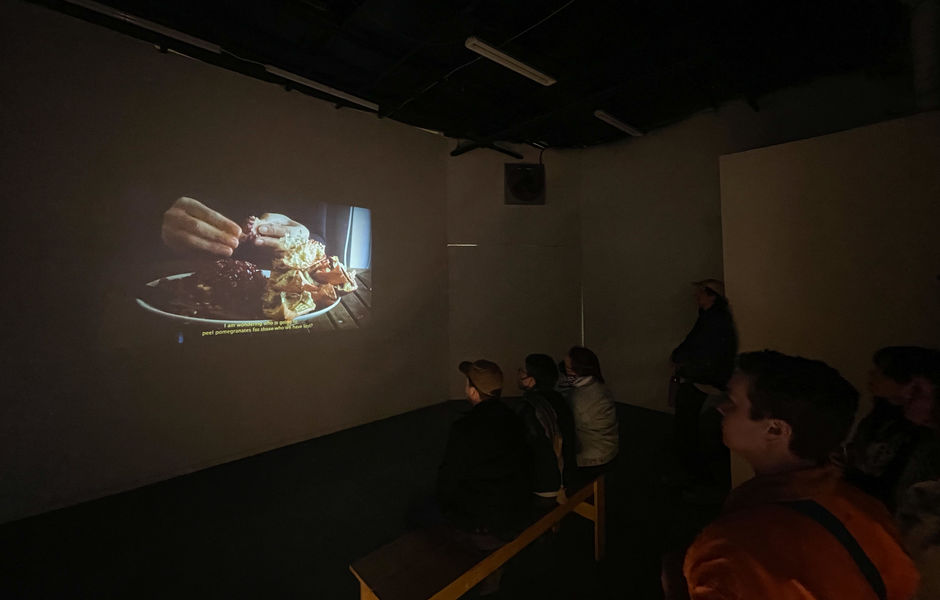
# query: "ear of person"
[[778, 429], [473, 394]]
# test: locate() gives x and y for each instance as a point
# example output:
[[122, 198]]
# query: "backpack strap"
[[833, 525]]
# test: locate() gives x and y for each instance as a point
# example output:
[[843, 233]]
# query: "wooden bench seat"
[[430, 564]]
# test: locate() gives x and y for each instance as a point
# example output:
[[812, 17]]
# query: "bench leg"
[[365, 593], [600, 520]]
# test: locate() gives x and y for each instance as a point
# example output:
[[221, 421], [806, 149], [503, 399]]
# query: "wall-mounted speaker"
[[525, 183]]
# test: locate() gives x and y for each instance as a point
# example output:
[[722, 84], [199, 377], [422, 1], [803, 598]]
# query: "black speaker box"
[[525, 183]]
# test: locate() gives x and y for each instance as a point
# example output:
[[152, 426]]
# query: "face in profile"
[[739, 432], [526, 381], [702, 298], [920, 407], [882, 386], [568, 371]]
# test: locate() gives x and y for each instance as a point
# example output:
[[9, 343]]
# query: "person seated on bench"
[[549, 427], [483, 482], [796, 529], [595, 415]]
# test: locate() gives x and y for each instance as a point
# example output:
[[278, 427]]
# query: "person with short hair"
[[483, 481], [595, 414], [917, 492], [796, 530], [549, 428], [897, 444]]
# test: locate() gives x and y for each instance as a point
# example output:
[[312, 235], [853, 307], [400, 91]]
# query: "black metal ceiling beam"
[[586, 103], [263, 46], [426, 88]]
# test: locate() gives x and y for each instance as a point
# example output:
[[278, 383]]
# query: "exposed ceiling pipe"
[[145, 24], [925, 51], [120, 15]]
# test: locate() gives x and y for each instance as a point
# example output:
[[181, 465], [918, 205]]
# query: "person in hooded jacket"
[[549, 427]]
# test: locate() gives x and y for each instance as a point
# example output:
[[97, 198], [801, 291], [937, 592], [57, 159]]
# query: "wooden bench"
[[430, 564]]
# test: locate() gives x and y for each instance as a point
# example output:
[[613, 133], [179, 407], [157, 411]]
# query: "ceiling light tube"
[[487, 51], [199, 43], [148, 25], [321, 87], [614, 121]]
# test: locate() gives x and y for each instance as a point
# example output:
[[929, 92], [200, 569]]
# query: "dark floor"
[[286, 524]]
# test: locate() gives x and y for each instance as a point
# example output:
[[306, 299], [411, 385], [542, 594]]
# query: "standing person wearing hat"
[[483, 484], [703, 363]]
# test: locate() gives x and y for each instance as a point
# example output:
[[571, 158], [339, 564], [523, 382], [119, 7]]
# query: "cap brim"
[[464, 367]]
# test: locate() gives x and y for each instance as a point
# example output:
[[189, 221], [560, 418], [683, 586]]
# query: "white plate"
[[266, 272]]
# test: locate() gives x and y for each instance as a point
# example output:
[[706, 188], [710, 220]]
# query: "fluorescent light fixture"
[[487, 51], [321, 87], [199, 43], [614, 121], [176, 52], [432, 131], [462, 245], [148, 25]]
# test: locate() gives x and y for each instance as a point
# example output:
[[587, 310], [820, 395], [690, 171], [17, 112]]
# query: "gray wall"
[[651, 219], [518, 291], [100, 133], [830, 244]]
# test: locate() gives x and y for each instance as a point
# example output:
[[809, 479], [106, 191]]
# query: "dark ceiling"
[[648, 62]]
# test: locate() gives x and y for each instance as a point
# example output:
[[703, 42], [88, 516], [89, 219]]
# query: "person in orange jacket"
[[796, 530]]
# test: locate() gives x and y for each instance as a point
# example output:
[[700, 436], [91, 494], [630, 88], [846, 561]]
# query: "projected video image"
[[263, 273]]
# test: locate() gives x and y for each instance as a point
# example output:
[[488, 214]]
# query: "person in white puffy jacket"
[[595, 415]]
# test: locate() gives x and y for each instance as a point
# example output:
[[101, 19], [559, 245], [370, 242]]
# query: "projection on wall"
[[228, 270]]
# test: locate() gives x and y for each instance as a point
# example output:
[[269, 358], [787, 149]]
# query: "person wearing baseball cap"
[[483, 481], [702, 365], [484, 377]]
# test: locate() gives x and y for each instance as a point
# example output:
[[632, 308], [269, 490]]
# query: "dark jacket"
[[569, 449], [535, 406], [484, 480], [707, 353], [888, 454]]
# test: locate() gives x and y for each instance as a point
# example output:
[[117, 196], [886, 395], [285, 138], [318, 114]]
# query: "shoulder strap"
[[833, 525]]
